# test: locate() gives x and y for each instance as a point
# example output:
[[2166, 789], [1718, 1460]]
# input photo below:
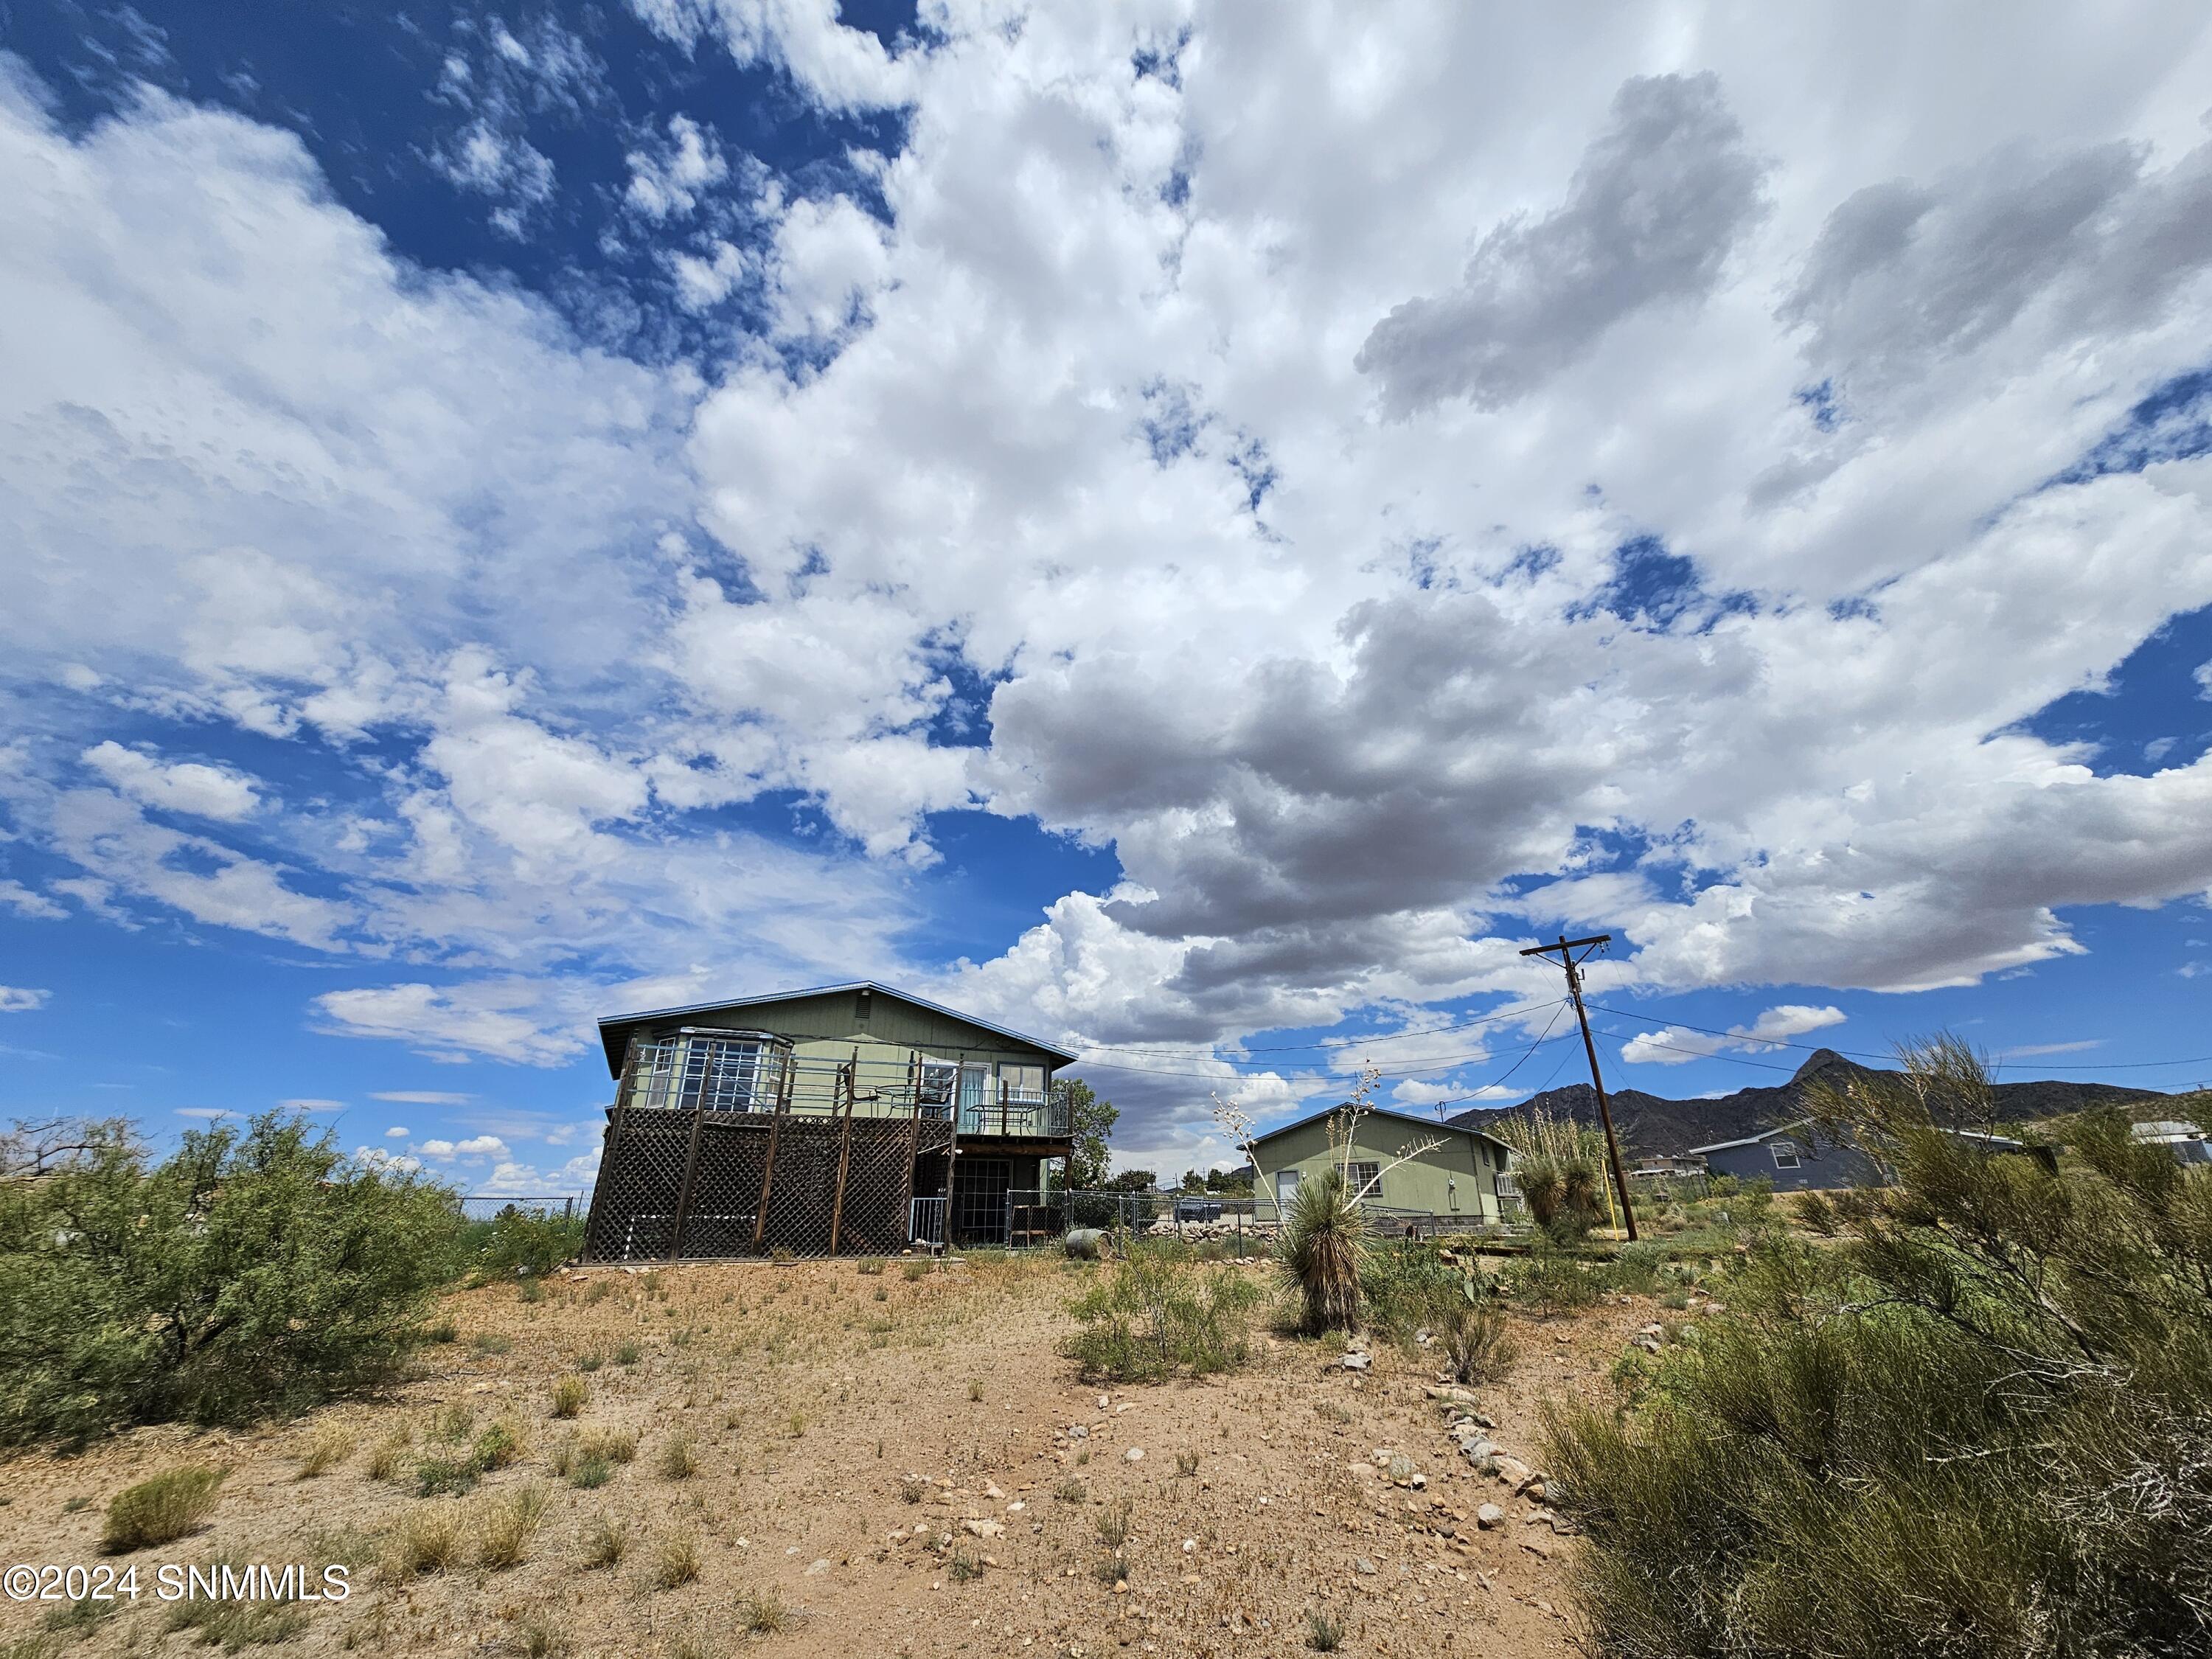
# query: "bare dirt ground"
[[846, 1423]]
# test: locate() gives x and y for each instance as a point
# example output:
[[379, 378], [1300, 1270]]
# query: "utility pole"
[[1565, 949]]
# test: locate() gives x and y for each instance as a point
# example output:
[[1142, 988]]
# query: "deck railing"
[[744, 1072]]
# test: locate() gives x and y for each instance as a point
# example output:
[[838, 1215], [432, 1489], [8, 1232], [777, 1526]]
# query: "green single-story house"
[[1464, 1180]]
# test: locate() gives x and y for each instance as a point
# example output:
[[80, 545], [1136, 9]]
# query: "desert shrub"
[[1549, 1281], [1477, 1349], [1324, 1630], [1319, 1252], [252, 1272], [1979, 1423], [450, 1476], [386, 1457], [1406, 1288], [569, 1395], [520, 1243], [609, 1445], [498, 1446], [1636, 1269], [761, 1611], [160, 1511], [1149, 1319]]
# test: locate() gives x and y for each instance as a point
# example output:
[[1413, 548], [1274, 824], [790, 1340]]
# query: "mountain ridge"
[[1651, 1125]]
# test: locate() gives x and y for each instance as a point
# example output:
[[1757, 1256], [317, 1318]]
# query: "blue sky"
[[1193, 537]]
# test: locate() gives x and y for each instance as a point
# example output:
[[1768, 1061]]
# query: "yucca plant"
[[1559, 1166], [1320, 1250]]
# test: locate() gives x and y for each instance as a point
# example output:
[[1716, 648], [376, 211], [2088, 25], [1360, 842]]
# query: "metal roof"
[[2000, 1142], [1763, 1136], [1381, 1111], [611, 1023]]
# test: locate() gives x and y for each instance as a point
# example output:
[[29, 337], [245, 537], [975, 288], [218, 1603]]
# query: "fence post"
[[690, 1171], [845, 1150], [767, 1164]]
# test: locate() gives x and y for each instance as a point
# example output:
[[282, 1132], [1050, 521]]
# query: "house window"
[[1785, 1154], [723, 1075], [1024, 1084], [1359, 1176], [939, 1077], [1508, 1189]]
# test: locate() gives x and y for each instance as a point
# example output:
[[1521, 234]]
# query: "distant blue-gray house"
[[1801, 1156], [1795, 1157]]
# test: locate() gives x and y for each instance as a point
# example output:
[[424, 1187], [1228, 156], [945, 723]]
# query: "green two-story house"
[[840, 1119]]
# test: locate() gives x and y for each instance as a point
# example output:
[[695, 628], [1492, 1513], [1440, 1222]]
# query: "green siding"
[[827, 1032], [1458, 1178]]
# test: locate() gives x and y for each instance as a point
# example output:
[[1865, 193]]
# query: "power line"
[[1441, 1064], [1331, 1045]]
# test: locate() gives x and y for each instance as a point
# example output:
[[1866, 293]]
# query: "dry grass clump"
[[160, 1511], [506, 1525], [605, 1444], [1476, 1345], [606, 1540], [388, 1457], [569, 1395], [327, 1448], [427, 1540], [677, 1560], [762, 1612], [679, 1456]]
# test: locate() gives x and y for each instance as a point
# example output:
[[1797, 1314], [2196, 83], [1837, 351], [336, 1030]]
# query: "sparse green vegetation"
[[1977, 1424], [1148, 1318], [1324, 1632]]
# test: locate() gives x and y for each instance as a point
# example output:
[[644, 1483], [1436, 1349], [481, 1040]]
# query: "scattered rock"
[[1538, 1546], [1079, 1432], [985, 1529], [817, 1567], [1135, 1454], [1356, 1361], [1362, 1566], [1489, 1515]]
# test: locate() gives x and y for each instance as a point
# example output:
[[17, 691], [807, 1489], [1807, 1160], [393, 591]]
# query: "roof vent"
[[861, 1001]]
